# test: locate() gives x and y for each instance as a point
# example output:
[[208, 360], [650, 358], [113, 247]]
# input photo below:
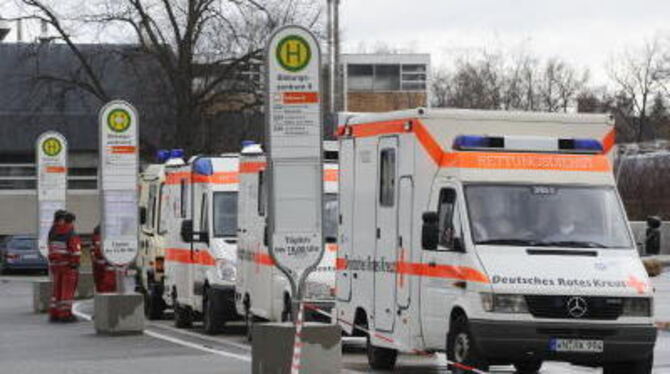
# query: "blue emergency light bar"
[[203, 166], [246, 143], [162, 155], [522, 143], [177, 153]]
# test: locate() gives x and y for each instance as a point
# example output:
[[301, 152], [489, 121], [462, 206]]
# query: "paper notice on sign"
[[120, 229], [46, 217]]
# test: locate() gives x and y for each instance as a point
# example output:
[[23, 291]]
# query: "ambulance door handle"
[[379, 233]]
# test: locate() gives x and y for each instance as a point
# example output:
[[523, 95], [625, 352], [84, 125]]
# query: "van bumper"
[[508, 342]]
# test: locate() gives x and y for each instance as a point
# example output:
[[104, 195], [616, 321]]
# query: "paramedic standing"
[[104, 273], [64, 252]]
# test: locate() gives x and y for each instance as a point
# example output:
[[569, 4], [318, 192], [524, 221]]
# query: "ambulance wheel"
[[287, 312], [631, 367], [183, 318], [380, 358], [461, 347], [212, 316], [249, 322], [528, 367]]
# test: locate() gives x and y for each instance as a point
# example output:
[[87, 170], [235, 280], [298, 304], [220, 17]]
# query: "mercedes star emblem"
[[577, 307]]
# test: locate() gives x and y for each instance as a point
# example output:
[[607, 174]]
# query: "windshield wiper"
[[572, 244], [508, 242]]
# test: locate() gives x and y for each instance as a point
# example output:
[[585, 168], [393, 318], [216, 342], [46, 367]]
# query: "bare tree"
[[204, 49], [638, 74]]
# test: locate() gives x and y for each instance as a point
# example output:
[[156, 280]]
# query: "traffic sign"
[[294, 140], [119, 165], [51, 157]]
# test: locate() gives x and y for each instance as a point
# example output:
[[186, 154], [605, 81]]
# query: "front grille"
[[601, 308]]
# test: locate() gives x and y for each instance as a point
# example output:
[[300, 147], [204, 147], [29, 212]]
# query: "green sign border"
[[286, 40], [48, 153], [109, 120]]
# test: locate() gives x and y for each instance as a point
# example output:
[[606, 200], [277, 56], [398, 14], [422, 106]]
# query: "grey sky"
[[585, 32]]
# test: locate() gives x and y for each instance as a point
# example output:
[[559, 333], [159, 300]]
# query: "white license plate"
[[29, 257], [576, 345]]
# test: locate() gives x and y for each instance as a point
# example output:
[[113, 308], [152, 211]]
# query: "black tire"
[[183, 318], [379, 358], [461, 347], [630, 367], [249, 322], [154, 306], [213, 319], [528, 367]]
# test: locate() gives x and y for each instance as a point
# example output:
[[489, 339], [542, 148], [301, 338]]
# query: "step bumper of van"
[[508, 342]]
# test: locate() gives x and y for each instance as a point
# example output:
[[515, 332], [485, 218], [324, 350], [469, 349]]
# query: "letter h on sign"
[[293, 52]]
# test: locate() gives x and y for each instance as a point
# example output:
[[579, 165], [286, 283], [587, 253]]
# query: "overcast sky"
[[585, 32]]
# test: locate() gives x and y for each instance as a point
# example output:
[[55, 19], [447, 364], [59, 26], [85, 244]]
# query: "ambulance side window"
[[183, 198], [447, 214], [387, 177], [162, 210], [204, 221]]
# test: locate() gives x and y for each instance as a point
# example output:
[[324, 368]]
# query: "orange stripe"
[[332, 247], [177, 177], [330, 175], [301, 97], [56, 169], [183, 255], [486, 160], [341, 264], [224, 177], [251, 167], [263, 259], [525, 161], [608, 141], [442, 271], [123, 149]]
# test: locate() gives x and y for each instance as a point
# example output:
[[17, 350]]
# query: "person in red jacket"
[[64, 252], [104, 274]]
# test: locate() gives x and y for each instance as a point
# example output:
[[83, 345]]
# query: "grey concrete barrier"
[[119, 314], [41, 295], [272, 348]]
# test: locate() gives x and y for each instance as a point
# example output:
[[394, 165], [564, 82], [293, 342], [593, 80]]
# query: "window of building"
[[387, 177], [387, 77], [360, 77]]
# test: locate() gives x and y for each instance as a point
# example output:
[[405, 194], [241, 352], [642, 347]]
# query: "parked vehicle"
[[20, 252], [497, 237], [263, 292]]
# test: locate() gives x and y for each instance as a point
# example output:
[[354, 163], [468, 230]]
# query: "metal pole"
[[331, 57]]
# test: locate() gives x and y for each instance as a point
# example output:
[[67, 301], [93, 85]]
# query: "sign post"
[[51, 157], [295, 141], [119, 163]]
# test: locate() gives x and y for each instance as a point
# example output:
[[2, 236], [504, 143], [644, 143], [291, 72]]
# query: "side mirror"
[[653, 222], [143, 215], [430, 231], [187, 231]]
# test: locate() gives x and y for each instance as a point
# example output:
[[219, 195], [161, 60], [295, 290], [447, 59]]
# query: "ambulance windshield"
[[225, 214], [330, 215], [546, 215]]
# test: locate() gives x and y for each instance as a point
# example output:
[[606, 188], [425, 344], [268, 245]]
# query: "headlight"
[[504, 303], [637, 307], [226, 270]]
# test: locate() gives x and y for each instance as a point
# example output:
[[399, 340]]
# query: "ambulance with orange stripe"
[[497, 237], [263, 292], [200, 208]]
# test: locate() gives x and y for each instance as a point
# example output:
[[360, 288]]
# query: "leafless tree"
[[205, 49]]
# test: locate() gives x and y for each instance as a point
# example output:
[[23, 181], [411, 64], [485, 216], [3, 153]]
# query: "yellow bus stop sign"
[[52, 147], [118, 120], [293, 53]]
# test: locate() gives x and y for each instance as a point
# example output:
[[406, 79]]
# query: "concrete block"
[[41, 295], [272, 348], [85, 286], [119, 314]]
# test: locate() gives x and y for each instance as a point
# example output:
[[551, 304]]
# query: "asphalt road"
[[29, 344]]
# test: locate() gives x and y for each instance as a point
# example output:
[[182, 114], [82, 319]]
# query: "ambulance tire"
[[528, 367], [287, 311], [249, 320], [379, 358], [183, 318], [213, 320], [632, 367], [461, 347]]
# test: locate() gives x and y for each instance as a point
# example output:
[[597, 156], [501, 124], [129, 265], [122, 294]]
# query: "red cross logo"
[[636, 283]]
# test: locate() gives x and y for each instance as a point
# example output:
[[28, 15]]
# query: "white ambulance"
[[497, 237], [263, 292], [200, 219]]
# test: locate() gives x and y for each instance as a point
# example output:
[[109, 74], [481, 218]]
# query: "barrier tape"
[[457, 365], [297, 345]]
